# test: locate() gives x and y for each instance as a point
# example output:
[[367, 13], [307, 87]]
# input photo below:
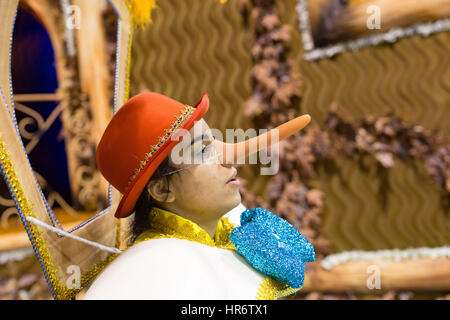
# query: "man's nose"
[[236, 153]]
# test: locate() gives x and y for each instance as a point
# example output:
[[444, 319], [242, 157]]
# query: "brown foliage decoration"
[[276, 85]]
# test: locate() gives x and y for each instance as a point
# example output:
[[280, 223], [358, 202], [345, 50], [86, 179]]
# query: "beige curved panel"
[[58, 255], [7, 16]]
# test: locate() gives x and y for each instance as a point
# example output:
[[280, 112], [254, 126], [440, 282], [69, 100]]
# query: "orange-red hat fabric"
[[137, 140]]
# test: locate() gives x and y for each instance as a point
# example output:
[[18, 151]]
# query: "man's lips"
[[233, 180]]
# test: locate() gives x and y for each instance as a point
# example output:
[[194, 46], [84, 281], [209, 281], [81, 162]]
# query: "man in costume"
[[193, 239]]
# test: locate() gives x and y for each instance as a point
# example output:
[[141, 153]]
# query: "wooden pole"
[[411, 274], [93, 68], [349, 20], [93, 64]]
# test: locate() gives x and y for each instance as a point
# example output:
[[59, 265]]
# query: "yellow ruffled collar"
[[165, 224]]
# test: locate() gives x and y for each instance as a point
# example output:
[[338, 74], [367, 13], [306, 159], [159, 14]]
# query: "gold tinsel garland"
[[141, 11]]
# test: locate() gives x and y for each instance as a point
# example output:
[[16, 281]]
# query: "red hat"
[[137, 140]]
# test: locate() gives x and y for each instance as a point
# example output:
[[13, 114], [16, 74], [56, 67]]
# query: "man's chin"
[[236, 201]]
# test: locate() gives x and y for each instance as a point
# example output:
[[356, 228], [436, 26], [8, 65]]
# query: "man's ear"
[[161, 190]]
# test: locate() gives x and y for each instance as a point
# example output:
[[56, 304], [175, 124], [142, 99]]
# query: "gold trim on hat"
[[174, 125]]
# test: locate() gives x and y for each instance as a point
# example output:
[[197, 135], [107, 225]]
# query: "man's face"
[[203, 186]]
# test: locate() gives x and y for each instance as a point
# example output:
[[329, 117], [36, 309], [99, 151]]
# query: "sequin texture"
[[273, 246]]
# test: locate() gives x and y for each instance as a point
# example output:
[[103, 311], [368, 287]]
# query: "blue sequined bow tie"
[[273, 246]]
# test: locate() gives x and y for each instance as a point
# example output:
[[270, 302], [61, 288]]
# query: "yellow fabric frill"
[[164, 224]]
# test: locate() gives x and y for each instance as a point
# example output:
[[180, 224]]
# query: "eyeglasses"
[[208, 159]]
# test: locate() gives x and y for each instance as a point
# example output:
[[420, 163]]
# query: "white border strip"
[[391, 255]]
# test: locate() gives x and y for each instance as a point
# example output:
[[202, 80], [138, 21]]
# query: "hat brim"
[[134, 190]]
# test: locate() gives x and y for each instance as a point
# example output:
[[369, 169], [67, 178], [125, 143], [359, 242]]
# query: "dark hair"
[[145, 201]]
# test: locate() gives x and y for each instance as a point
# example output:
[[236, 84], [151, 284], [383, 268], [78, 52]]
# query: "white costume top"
[[176, 259]]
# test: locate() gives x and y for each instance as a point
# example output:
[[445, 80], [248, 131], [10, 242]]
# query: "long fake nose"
[[236, 153]]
